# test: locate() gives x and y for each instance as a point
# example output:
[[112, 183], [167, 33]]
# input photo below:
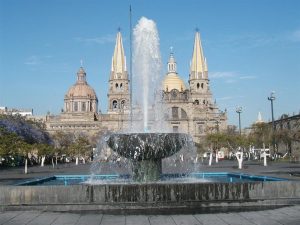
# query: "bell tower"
[[198, 78], [118, 94]]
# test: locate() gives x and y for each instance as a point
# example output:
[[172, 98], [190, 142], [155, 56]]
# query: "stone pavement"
[[281, 216]]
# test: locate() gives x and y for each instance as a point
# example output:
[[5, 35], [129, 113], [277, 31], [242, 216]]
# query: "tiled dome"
[[173, 81]]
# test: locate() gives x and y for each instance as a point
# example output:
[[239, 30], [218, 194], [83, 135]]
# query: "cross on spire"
[[81, 62]]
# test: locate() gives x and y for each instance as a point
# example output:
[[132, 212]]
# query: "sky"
[[252, 48]]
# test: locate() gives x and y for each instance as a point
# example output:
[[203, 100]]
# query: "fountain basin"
[[146, 150], [147, 146], [114, 179], [146, 198]]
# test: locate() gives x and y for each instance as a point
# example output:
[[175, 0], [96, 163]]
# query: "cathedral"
[[190, 108]]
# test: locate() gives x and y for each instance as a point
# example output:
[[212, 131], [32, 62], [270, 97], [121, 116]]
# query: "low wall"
[[143, 195]]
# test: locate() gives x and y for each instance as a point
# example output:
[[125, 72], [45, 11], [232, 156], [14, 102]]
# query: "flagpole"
[[130, 69]]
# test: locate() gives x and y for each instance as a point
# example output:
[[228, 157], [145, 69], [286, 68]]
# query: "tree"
[[30, 131], [10, 144], [19, 136], [284, 136], [62, 142], [24, 149], [80, 148], [261, 133], [216, 141], [43, 151], [295, 131], [236, 141]]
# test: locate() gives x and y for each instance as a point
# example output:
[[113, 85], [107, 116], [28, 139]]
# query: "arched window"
[[117, 85], [202, 85], [198, 85], [196, 102], [121, 86], [115, 104], [122, 104]]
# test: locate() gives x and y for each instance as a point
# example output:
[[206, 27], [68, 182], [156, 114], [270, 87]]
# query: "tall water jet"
[[146, 68], [146, 144]]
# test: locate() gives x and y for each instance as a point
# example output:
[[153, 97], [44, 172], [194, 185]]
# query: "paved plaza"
[[281, 216]]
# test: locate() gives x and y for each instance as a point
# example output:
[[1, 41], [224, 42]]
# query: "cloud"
[[222, 74], [97, 40], [228, 98], [35, 60], [247, 77], [32, 60], [230, 76]]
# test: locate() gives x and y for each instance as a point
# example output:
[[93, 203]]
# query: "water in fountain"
[[145, 143], [146, 74]]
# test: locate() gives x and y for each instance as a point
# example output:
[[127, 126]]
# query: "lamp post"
[[239, 111], [271, 99]]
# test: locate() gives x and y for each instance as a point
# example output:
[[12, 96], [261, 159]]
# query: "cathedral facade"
[[190, 108]]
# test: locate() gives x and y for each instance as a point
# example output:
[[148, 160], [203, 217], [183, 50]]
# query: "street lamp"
[[239, 111], [271, 99]]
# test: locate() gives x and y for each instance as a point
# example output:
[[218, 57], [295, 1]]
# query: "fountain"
[[144, 148]]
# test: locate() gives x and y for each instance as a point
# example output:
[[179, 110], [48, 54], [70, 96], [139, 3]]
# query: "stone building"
[[289, 127], [190, 108], [12, 111]]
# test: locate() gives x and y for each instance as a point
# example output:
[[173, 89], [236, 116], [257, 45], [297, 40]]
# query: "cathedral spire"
[[198, 67], [118, 59], [118, 94], [259, 118]]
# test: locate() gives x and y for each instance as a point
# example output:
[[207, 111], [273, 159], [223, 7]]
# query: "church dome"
[[81, 88], [81, 97], [173, 81]]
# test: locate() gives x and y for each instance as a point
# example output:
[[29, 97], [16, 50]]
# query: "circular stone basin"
[[147, 146]]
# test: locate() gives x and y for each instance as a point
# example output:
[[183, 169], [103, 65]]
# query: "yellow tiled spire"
[[118, 60], [198, 63]]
